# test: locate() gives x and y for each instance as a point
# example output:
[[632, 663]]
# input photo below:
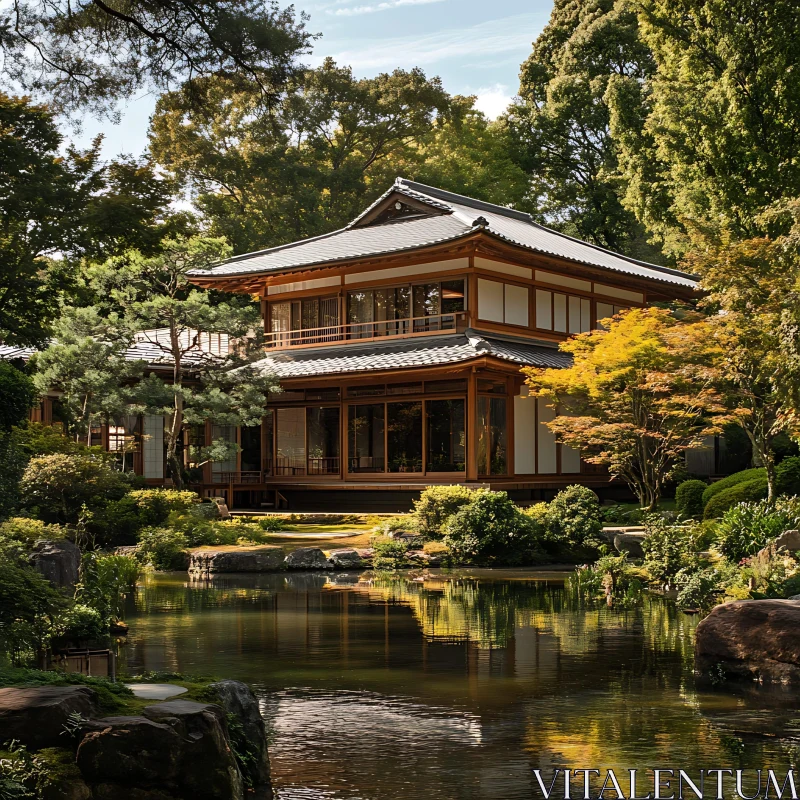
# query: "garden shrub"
[[610, 577], [163, 549], [732, 480], [391, 525], [271, 523], [436, 505], [206, 511], [689, 498], [29, 606], [105, 581], [697, 588], [667, 549], [746, 528], [492, 530], [574, 517], [787, 476], [745, 492], [389, 553], [82, 623], [28, 531], [57, 486]]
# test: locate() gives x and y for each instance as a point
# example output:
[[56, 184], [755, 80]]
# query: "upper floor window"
[[404, 309], [503, 302], [563, 313]]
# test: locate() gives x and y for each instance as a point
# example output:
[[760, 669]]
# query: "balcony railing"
[[367, 331], [280, 467]]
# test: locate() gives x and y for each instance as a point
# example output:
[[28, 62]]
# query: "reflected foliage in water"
[[454, 684]]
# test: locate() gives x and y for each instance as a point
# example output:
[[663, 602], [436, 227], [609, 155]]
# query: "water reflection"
[[453, 684]]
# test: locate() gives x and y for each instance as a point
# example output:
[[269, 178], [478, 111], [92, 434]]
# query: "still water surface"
[[456, 684]]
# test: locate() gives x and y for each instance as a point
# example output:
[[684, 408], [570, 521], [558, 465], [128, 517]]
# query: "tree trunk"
[[176, 422]]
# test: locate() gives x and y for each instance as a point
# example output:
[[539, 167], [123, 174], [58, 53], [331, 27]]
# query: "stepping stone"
[[156, 691]]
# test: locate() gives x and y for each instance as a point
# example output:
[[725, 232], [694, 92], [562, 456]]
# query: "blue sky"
[[475, 46]]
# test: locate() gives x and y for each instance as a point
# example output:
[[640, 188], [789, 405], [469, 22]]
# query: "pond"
[[454, 684]]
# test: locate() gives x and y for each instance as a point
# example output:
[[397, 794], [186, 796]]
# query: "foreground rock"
[[630, 543], [249, 735], [36, 716], [261, 559], [307, 558], [176, 749], [755, 639], [58, 561], [346, 558]]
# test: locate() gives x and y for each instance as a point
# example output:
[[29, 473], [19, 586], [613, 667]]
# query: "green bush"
[[787, 476], [611, 576], [120, 520], [389, 553], [697, 588], [574, 516], [436, 505], [492, 530], [689, 498], [56, 487], [732, 480], [745, 492], [28, 531], [667, 549], [163, 549], [271, 523], [82, 623], [748, 527], [29, 607], [18, 394], [105, 581]]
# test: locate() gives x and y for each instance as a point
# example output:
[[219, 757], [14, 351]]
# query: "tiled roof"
[[459, 220], [414, 353], [148, 352]]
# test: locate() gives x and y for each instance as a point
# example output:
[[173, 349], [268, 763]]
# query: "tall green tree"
[[155, 299], [752, 286], [471, 155], [41, 204], [95, 52], [86, 363], [561, 121], [708, 139], [263, 177]]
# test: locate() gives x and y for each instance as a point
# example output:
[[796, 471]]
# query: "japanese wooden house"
[[398, 342]]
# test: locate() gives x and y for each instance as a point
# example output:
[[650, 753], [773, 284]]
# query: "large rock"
[[630, 543], [208, 765], [178, 749], [756, 639], [346, 558], [307, 558], [248, 733], [36, 716], [261, 559], [59, 561], [788, 541]]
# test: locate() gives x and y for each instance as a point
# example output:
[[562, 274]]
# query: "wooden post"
[[472, 426]]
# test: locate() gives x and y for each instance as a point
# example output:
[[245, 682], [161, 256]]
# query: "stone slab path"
[[155, 691]]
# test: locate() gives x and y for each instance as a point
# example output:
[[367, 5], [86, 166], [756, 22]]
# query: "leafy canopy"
[[636, 396]]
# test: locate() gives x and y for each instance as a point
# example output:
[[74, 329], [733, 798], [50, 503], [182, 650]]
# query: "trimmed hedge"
[[732, 480], [746, 492], [787, 476], [689, 498]]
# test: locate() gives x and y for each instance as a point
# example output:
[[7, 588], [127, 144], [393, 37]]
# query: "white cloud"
[[384, 6], [510, 36], [493, 101]]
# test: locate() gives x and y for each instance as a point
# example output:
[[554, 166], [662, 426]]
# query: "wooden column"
[[472, 426]]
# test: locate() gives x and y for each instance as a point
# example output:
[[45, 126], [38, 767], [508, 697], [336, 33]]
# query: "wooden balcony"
[[368, 331]]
